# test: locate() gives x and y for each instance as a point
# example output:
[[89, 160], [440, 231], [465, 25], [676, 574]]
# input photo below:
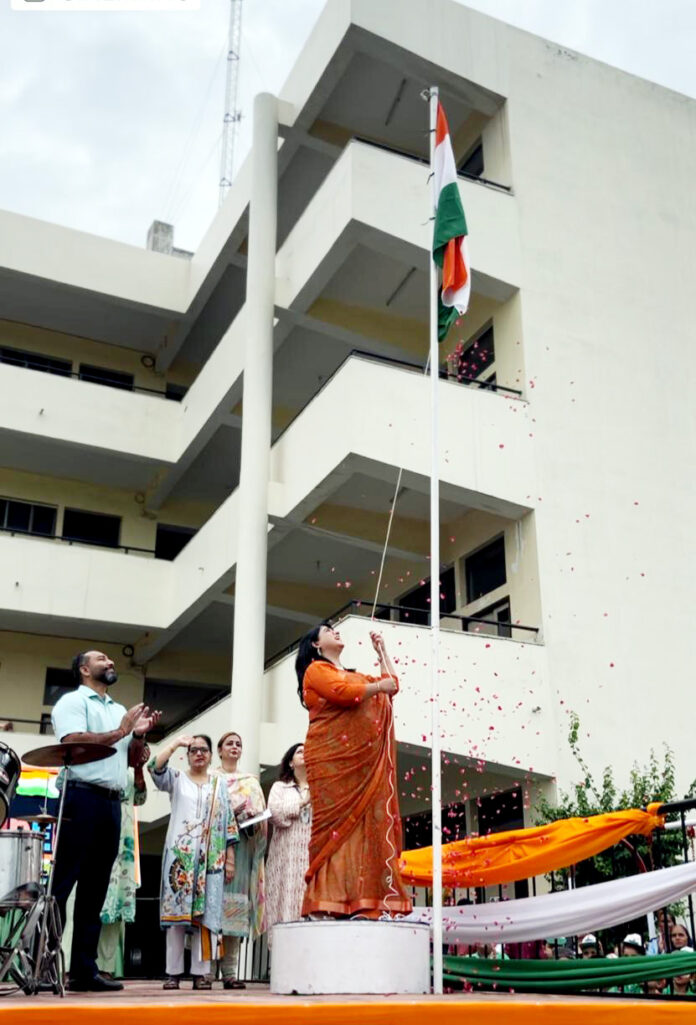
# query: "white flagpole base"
[[350, 957]]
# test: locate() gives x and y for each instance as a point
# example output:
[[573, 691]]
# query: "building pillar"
[[250, 586]]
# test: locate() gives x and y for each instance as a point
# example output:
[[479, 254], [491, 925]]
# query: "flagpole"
[[436, 799]]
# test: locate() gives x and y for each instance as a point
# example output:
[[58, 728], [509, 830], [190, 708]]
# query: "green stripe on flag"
[[450, 221]]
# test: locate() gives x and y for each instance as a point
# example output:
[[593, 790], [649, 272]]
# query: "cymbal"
[[43, 819], [56, 755]]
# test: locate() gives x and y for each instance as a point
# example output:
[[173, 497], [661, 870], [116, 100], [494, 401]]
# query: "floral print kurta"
[[244, 901], [119, 903], [201, 826]]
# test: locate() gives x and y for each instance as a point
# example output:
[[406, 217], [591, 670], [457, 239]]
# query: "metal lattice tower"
[[232, 114]]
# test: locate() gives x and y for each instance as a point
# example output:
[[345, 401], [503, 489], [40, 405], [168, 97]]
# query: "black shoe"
[[97, 984]]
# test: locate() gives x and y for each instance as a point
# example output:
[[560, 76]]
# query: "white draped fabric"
[[567, 912]]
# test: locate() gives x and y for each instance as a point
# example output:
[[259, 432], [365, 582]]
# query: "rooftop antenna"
[[232, 114]]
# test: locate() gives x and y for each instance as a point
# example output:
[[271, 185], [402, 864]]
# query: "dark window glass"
[[178, 702], [58, 682], [94, 528], [175, 392], [104, 375], [498, 613], [46, 726], [485, 569], [170, 540], [416, 604], [418, 827], [477, 356], [43, 520], [35, 361], [473, 164], [18, 515], [498, 812], [25, 516]]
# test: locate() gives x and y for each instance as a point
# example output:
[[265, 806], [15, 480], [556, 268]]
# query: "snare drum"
[[20, 858]]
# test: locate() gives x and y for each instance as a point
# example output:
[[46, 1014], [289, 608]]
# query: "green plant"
[[654, 781]]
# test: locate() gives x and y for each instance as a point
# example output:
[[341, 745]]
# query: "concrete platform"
[[350, 957]]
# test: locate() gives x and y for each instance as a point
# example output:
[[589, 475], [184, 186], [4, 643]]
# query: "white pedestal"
[[350, 957]]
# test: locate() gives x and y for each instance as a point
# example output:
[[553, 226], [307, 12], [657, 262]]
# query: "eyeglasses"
[[199, 750]]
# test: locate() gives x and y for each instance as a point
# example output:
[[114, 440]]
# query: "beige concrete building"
[[131, 519]]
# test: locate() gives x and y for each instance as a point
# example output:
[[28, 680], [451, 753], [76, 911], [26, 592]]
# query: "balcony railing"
[[76, 541], [392, 613]]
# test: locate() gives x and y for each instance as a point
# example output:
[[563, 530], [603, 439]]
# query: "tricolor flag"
[[449, 239]]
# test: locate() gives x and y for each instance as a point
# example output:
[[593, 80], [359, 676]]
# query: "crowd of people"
[[333, 810], [670, 937]]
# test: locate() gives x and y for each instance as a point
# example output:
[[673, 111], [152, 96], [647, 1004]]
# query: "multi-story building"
[[565, 402]]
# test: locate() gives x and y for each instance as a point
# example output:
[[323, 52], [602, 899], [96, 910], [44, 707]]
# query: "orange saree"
[[351, 769]]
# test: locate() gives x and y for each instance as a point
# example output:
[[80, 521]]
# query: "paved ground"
[[149, 992]]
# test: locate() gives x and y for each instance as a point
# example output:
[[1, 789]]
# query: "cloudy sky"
[[108, 121]]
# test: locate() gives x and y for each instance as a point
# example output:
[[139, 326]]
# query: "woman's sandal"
[[171, 982], [233, 984], [201, 982]]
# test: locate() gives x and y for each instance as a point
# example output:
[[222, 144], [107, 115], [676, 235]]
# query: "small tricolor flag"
[[449, 238]]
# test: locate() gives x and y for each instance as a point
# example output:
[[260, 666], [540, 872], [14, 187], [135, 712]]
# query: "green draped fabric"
[[566, 976]]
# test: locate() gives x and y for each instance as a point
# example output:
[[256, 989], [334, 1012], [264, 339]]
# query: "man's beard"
[[107, 676]]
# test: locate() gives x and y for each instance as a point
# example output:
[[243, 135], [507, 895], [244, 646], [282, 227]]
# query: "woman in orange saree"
[[351, 769]]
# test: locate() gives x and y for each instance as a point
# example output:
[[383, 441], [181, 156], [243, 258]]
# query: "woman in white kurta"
[[198, 855], [288, 857]]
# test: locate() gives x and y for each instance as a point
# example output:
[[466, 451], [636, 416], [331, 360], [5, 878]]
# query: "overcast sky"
[[108, 121]]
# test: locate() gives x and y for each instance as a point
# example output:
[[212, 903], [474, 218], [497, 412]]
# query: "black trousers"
[[87, 849]]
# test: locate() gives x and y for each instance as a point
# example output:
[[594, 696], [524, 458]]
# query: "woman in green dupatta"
[[244, 898]]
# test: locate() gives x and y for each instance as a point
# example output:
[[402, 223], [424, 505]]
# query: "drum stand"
[[32, 954]]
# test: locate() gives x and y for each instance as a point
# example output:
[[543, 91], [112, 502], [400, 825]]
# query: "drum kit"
[[31, 955]]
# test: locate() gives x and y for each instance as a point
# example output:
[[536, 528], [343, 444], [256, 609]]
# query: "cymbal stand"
[[49, 909]]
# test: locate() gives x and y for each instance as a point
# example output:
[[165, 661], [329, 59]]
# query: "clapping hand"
[[146, 722]]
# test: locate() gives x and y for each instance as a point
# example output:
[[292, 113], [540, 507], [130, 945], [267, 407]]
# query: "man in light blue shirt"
[[90, 833]]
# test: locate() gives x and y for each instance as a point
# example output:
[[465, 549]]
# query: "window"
[[498, 812], [28, 517], [175, 392], [416, 604], [417, 828], [58, 682], [500, 614], [179, 702], [485, 569], [35, 361], [472, 164], [92, 528], [477, 357], [170, 540], [104, 375]]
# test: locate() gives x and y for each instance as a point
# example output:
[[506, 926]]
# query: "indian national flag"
[[449, 240]]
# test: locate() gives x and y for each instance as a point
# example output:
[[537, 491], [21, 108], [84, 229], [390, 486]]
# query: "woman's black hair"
[[306, 654], [206, 738], [286, 774]]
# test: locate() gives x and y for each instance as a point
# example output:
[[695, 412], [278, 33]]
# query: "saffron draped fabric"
[[567, 976], [351, 770], [567, 912], [522, 853]]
